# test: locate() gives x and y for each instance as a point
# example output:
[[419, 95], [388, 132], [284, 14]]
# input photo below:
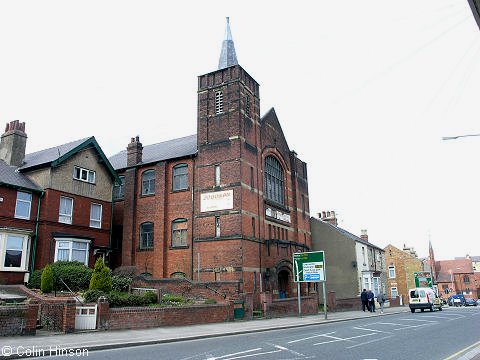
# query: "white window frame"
[[71, 242], [65, 216], [96, 223], [84, 175], [392, 270], [3, 251], [393, 290], [29, 202]]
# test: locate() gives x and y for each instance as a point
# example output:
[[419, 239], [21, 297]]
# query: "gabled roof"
[[47, 156], [10, 176], [171, 149], [57, 155], [347, 234], [445, 268]]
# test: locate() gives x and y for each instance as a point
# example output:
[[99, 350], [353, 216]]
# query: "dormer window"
[[84, 175], [219, 102]]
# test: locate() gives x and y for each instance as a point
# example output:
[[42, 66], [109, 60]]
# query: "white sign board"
[[277, 215], [218, 200]]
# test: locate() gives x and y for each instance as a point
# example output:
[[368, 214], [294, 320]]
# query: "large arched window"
[[274, 180], [148, 182], [146, 235]]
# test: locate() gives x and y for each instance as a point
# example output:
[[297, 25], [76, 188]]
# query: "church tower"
[[227, 203]]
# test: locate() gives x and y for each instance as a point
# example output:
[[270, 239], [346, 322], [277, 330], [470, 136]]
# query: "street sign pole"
[[324, 299], [299, 300]]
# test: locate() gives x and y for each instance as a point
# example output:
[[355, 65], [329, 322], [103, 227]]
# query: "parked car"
[[470, 302], [478, 302], [456, 300]]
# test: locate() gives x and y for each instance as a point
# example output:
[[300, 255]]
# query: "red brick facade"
[[250, 241]]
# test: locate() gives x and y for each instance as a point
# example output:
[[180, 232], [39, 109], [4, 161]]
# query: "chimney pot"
[[13, 143]]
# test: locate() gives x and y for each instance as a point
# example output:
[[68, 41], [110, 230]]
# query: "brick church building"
[[227, 204]]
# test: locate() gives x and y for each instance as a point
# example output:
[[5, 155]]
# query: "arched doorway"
[[283, 284]]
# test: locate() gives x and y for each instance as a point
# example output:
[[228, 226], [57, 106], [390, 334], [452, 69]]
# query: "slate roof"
[[47, 156], [171, 149], [348, 234], [9, 175]]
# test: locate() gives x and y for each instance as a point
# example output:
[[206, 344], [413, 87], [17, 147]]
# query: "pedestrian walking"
[[371, 301], [381, 300], [364, 298]]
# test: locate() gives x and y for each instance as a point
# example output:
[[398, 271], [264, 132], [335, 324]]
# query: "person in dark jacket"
[[371, 300], [364, 298]]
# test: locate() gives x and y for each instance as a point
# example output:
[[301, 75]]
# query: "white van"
[[423, 298]]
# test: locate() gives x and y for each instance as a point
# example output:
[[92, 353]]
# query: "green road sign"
[[309, 266], [423, 279]]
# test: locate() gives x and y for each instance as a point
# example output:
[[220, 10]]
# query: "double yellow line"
[[462, 351]]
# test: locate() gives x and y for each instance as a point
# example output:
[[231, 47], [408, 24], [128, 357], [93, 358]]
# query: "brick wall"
[[19, 319], [289, 307], [148, 317], [55, 314], [219, 291]]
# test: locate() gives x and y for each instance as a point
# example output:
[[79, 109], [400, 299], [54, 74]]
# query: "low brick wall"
[[55, 313], [18, 319], [149, 317], [289, 307], [220, 291]]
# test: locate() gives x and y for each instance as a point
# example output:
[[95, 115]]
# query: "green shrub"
[[150, 297], [210, 301], [47, 279], [121, 283], [35, 280], [101, 277], [171, 299], [117, 299], [73, 273], [93, 295]]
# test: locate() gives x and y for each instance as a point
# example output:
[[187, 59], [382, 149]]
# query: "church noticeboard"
[[218, 200]]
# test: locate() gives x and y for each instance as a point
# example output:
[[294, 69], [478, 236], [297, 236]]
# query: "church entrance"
[[283, 284]]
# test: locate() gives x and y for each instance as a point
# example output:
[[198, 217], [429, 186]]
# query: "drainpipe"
[[193, 215], [34, 247], [111, 228]]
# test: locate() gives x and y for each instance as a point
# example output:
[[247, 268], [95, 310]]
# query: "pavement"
[[47, 343]]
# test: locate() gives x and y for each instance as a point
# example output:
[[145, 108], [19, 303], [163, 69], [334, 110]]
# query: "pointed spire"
[[227, 56]]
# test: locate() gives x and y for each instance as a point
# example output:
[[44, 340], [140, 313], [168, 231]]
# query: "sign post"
[[310, 267], [423, 279]]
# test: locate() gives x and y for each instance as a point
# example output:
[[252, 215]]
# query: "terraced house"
[[55, 204]]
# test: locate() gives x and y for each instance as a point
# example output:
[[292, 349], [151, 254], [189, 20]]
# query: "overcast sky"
[[364, 91]]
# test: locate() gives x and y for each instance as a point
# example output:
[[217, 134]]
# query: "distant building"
[[55, 204], [352, 262], [401, 266], [456, 277]]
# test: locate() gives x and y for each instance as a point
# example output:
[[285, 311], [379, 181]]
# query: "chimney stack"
[[13, 143], [328, 216], [364, 235], [134, 152]]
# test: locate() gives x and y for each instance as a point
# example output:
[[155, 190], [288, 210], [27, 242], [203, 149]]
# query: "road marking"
[[378, 331], [369, 342], [290, 351], [432, 321], [343, 339], [241, 352], [462, 351], [256, 354], [310, 337]]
